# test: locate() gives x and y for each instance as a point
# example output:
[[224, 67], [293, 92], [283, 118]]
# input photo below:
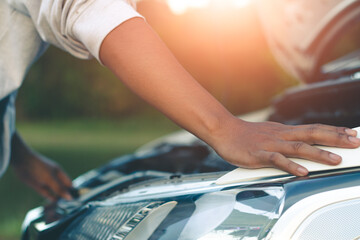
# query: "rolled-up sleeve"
[[77, 26], [98, 20]]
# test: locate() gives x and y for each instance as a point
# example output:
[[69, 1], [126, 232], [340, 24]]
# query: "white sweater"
[[28, 26]]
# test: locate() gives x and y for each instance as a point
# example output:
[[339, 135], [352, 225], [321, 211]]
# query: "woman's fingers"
[[46, 192], [277, 160], [53, 184], [64, 179], [305, 151], [52, 191], [324, 135], [65, 183], [59, 184], [342, 130]]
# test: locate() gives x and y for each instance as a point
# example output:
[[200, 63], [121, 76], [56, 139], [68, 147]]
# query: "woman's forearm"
[[141, 60]]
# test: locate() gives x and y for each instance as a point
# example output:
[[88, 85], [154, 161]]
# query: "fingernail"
[[302, 171], [334, 157], [351, 132], [354, 139]]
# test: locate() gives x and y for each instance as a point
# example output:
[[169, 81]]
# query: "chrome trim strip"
[[197, 186]]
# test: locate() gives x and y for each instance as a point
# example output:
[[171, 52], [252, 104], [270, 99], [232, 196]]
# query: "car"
[[177, 187]]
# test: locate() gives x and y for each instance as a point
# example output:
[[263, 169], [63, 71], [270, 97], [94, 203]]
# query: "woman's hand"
[[268, 144], [45, 177], [40, 173]]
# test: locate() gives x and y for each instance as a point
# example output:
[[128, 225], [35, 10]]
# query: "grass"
[[78, 145]]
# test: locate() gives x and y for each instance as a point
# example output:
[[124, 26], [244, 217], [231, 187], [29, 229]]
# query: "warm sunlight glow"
[[180, 6], [241, 3]]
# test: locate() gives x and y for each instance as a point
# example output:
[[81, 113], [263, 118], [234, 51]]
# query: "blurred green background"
[[77, 113]]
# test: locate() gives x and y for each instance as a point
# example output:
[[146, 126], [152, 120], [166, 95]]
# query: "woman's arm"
[[137, 56]]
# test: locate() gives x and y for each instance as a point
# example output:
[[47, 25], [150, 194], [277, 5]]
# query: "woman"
[[119, 38]]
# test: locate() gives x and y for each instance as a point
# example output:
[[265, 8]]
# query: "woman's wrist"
[[20, 152], [219, 127]]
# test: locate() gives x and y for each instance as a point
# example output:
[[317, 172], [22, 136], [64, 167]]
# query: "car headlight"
[[112, 222], [236, 213]]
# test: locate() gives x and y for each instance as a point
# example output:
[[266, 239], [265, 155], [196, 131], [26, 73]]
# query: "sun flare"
[[181, 6]]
